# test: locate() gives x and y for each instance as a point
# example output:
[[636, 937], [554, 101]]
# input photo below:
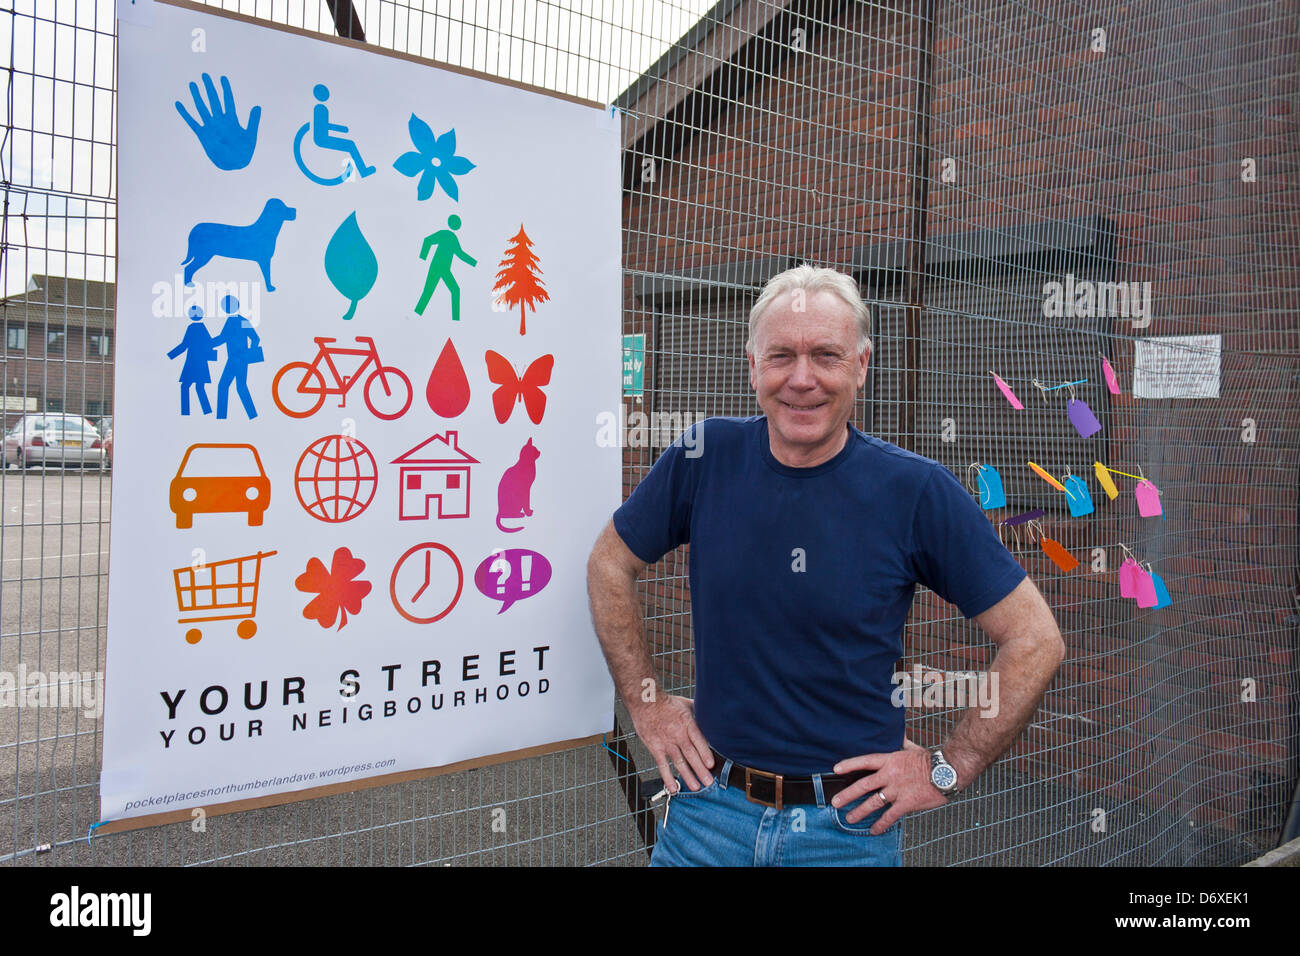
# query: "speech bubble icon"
[[511, 575]]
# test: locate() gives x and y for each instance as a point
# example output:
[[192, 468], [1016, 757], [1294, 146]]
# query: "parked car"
[[215, 479], [53, 440], [40, 420]]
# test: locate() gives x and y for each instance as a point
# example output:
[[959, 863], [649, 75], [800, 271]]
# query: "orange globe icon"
[[335, 478]]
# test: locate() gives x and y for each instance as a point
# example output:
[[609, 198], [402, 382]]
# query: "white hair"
[[813, 279]]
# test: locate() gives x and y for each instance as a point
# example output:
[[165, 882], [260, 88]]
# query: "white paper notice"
[[1177, 366], [368, 316]]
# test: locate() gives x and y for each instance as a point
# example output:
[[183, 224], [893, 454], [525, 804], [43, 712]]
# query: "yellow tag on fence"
[[1107, 483]]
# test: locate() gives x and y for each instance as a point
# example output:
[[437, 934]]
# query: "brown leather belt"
[[776, 790]]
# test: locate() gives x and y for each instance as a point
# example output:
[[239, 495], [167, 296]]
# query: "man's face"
[[806, 371]]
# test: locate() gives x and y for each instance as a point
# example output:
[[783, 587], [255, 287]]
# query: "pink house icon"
[[436, 470]]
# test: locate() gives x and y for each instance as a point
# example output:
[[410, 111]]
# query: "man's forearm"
[[1024, 667], [664, 722], [620, 627]]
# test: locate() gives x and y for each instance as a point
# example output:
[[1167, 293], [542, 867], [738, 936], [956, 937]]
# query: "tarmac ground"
[[566, 808]]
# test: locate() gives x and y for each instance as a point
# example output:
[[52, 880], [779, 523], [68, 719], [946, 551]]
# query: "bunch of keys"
[[668, 805]]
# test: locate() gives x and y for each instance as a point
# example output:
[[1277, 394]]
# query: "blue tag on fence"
[[1077, 496], [1162, 593], [990, 485]]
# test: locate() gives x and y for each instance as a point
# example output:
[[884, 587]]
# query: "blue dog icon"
[[256, 243]]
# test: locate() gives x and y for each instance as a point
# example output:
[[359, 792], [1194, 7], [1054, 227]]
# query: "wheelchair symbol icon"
[[323, 131]]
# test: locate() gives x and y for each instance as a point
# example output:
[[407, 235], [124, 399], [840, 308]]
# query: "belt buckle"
[[776, 777]]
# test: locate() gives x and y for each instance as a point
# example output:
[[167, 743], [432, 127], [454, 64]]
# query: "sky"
[[58, 114]]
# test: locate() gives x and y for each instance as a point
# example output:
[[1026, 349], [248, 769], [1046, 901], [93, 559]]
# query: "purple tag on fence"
[[1146, 589], [1127, 582], [1082, 418], [1148, 496]]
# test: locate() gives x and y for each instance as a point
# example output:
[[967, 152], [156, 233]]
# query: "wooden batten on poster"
[[371, 48], [350, 786]]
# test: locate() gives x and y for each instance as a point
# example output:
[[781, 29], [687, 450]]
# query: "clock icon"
[[426, 583]]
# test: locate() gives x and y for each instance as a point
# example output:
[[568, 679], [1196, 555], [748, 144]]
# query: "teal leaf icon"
[[350, 263]]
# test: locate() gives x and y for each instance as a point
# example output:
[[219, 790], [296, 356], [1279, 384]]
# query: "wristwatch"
[[942, 774]]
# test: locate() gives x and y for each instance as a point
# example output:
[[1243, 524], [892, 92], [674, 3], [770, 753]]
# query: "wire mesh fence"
[[1019, 189]]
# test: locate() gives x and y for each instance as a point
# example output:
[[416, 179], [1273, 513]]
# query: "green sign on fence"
[[634, 365]]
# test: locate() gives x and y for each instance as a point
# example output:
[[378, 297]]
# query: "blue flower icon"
[[434, 160]]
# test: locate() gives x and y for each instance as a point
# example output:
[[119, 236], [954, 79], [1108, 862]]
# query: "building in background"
[[960, 163], [58, 348]]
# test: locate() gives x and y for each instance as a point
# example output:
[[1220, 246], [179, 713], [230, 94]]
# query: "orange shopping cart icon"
[[220, 591]]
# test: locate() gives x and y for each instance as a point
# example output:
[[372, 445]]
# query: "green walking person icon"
[[448, 249]]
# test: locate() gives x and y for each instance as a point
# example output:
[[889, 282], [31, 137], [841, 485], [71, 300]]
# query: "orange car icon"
[[217, 479]]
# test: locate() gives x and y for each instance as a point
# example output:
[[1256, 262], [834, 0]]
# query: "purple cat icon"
[[515, 487]]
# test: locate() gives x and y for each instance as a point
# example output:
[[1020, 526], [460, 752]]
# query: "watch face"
[[943, 777]]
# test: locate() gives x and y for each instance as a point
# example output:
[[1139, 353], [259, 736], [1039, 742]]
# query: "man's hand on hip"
[[901, 780], [667, 727]]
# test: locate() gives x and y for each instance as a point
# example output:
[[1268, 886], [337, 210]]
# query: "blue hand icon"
[[228, 145]]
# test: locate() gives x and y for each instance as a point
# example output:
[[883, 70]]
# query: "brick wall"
[[74, 372], [75, 376], [1031, 125]]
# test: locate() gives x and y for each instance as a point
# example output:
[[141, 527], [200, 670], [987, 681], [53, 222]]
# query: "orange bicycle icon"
[[387, 390]]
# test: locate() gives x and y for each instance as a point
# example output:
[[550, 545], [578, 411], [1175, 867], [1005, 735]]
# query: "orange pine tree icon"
[[520, 279]]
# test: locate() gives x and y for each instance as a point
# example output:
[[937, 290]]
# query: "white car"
[[49, 440]]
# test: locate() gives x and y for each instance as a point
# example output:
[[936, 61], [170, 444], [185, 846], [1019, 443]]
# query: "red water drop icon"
[[448, 388]]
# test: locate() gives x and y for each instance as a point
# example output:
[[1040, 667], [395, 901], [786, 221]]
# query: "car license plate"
[[72, 444]]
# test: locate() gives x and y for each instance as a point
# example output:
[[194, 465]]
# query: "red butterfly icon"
[[514, 387]]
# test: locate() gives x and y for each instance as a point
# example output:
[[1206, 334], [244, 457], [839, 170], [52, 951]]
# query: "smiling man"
[[808, 539]]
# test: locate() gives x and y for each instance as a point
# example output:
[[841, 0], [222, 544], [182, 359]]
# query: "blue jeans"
[[717, 825]]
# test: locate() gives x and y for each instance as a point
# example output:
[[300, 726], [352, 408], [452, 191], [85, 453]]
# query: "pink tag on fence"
[[1148, 496], [1127, 581], [1146, 589], [1082, 418], [1006, 391], [1108, 370]]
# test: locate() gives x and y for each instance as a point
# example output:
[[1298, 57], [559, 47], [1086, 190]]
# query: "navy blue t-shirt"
[[802, 580]]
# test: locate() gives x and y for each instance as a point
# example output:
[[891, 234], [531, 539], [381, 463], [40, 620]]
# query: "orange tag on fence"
[[1046, 477], [1056, 551]]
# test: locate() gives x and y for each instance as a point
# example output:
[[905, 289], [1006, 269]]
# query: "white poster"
[[368, 316], [1177, 366]]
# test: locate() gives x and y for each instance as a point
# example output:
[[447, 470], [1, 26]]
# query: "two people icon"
[[243, 348], [322, 136], [446, 249]]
